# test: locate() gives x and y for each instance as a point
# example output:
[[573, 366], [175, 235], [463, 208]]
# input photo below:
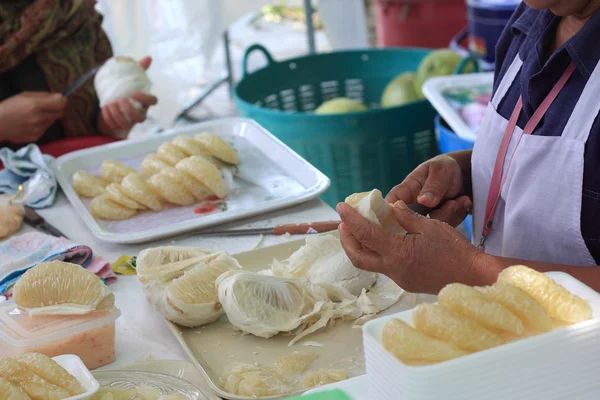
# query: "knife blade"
[[35, 220], [314, 227], [80, 81]]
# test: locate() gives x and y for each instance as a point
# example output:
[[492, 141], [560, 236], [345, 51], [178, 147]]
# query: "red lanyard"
[[498, 180]]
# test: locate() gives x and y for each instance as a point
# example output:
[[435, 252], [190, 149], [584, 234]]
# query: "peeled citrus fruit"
[[170, 190], [36, 388], [253, 381], [217, 147], [294, 363], [204, 172], [409, 345], [114, 193], [60, 288], [560, 304], [189, 146], [521, 304], [151, 165], [465, 300], [105, 208], [324, 377], [113, 171], [48, 369], [10, 392], [462, 332], [134, 187], [87, 185], [170, 154], [198, 190]]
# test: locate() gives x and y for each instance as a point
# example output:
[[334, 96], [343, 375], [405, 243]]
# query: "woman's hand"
[[117, 118], [434, 180], [25, 117], [433, 255]]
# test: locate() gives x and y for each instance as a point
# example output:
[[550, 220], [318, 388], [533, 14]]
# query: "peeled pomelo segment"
[[324, 377], [170, 154], [462, 332], [60, 288], [114, 171], [36, 388], [560, 304], [217, 147], [48, 369], [467, 301], [198, 190], [170, 190], [114, 192], [295, 363], [204, 172], [521, 304], [189, 146], [88, 185], [103, 207], [151, 165], [409, 345], [10, 392], [134, 187]]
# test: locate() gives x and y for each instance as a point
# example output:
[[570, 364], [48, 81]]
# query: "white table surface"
[[141, 332]]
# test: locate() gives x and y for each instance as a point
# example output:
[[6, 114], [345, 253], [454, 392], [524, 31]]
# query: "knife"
[[314, 227], [80, 81], [34, 219]]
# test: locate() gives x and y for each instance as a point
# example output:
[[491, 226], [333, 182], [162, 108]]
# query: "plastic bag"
[[11, 216]]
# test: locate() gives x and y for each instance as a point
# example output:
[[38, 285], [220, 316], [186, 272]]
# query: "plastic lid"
[[18, 329]]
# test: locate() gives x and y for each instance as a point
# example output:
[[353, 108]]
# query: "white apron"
[[538, 212]]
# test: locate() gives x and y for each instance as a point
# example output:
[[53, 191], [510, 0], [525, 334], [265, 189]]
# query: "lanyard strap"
[[498, 180]]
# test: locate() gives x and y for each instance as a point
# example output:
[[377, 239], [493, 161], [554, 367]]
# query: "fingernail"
[[427, 196], [338, 207]]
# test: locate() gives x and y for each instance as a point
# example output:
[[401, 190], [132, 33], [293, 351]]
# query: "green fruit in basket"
[[340, 105], [438, 63], [401, 90]]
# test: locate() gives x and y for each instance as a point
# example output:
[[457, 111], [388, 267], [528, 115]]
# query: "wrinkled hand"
[[25, 117], [120, 116], [434, 180], [424, 261]]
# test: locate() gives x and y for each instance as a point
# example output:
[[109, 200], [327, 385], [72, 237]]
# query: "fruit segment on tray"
[[522, 303], [181, 173]]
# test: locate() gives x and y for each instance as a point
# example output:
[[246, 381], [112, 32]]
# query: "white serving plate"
[[271, 177], [75, 367], [434, 89], [554, 365]]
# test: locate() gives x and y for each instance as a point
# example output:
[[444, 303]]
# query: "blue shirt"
[[530, 33]]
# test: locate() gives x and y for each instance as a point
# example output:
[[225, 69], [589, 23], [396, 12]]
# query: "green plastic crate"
[[357, 151]]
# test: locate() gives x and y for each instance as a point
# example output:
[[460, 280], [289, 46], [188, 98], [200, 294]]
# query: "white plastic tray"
[[434, 90], [271, 176], [554, 365], [75, 367]]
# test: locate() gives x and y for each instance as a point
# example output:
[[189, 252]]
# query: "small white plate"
[[75, 367]]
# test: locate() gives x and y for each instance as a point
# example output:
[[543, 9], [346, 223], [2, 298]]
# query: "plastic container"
[[560, 364], [487, 19], [167, 384], [91, 337], [357, 151], [74, 366], [418, 23]]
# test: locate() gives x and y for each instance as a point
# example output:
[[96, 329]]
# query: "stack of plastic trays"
[[562, 364]]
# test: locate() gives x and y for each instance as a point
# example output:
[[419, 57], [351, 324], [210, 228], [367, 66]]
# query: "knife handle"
[[301, 229]]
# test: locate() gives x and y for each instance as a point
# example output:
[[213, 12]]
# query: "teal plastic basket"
[[357, 151]]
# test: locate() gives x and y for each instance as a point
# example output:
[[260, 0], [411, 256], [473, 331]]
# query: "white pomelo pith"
[[184, 291]]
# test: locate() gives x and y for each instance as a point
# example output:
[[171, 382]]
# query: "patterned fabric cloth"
[[67, 40]]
